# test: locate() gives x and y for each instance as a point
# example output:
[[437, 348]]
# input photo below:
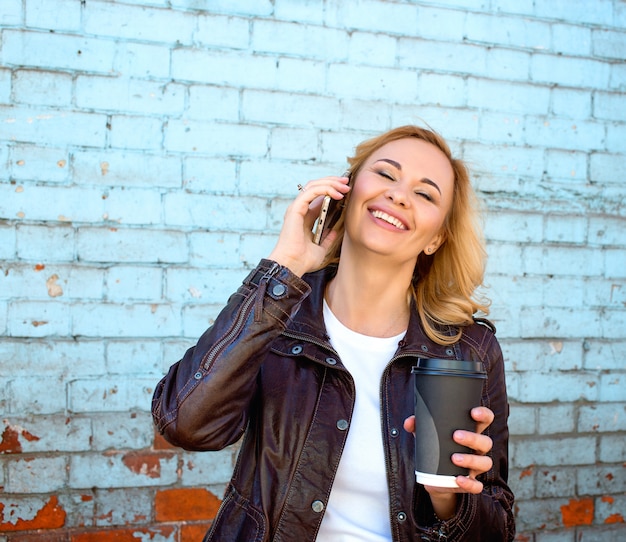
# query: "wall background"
[[149, 149]]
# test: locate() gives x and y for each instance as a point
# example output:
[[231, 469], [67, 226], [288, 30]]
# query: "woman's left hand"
[[443, 499]]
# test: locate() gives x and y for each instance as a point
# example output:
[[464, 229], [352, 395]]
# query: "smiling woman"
[[311, 360]]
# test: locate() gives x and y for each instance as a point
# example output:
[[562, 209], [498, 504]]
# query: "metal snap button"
[[449, 351], [296, 349], [331, 361], [317, 506], [198, 375], [279, 289], [401, 517], [424, 348], [342, 425], [394, 432]]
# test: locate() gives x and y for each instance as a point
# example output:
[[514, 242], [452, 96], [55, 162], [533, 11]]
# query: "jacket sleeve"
[[202, 403], [488, 516]]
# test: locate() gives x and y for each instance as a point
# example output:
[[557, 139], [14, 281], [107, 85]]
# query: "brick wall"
[[149, 149]]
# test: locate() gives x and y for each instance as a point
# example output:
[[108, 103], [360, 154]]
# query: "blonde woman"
[[309, 361]]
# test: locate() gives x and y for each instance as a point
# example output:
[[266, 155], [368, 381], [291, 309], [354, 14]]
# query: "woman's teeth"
[[390, 219]]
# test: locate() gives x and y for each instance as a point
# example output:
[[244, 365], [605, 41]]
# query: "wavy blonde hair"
[[444, 284]]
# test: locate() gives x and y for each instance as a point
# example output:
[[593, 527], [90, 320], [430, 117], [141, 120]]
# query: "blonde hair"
[[444, 283]]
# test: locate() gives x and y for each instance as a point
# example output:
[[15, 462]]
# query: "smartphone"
[[329, 213]]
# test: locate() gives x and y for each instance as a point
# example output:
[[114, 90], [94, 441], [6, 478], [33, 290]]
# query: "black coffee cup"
[[445, 393]]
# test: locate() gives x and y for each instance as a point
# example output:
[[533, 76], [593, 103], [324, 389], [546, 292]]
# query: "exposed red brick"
[[39, 267], [159, 443], [577, 512], [185, 505], [148, 464], [50, 516], [10, 443], [608, 498], [123, 535], [194, 532], [615, 518], [526, 472], [40, 536]]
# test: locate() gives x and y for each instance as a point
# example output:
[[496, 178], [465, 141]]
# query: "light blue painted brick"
[[440, 89], [208, 103], [205, 286], [612, 449], [34, 395], [294, 144], [554, 482], [38, 319], [131, 245], [125, 168], [61, 15], [609, 43], [56, 433], [110, 394], [142, 60], [610, 106], [136, 132], [604, 293], [8, 242], [57, 51], [315, 42], [5, 86], [208, 249], [130, 206], [508, 65], [453, 124], [613, 323], [36, 475], [335, 146], [566, 229], [124, 507], [38, 125], [276, 178], [135, 96], [500, 128], [392, 85], [522, 420], [11, 12], [564, 323], [615, 137], [553, 419], [210, 175], [528, 227], [223, 68], [386, 17], [138, 23], [618, 76], [449, 57], [371, 49], [84, 283], [607, 168], [564, 134], [42, 88], [197, 318], [571, 39], [440, 24], [213, 468], [563, 260], [543, 355], [505, 160], [569, 71], [602, 418], [289, 108], [254, 247], [523, 7], [133, 357], [122, 431], [301, 75], [571, 103], [584, 11], [70, 358], [137, 320], [555, 452], [613, 387], [563, 387], [510, 97], [505, 259], [518, 291], [133, 283], [305, 12], [40, 243], [216, 139], [507, 31], [607, 231], [243, 7], [37, 163], [108, 470], [221, 31], [564, 292], [221, 213], [364, 115]]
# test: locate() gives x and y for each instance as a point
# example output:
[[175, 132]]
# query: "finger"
[[481, 444], [335, 187], [483, 416], [477, 464], [469, 485], [409, 424]]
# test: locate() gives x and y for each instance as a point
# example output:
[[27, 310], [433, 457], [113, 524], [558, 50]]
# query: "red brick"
[[50, 516], [40, 536], [159, 443], [123, 535], [185, 505], [577, 512], [194, 532]]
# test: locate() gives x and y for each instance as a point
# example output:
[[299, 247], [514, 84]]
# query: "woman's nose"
[[398, 195]]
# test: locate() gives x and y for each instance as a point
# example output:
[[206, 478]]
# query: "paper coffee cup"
[[445, 393]]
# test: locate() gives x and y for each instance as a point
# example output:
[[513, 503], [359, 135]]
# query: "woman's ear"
[[436, 242]]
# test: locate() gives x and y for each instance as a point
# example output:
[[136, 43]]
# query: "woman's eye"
[[425, 195], [387, 175]]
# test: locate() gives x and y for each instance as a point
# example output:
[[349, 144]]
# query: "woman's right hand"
[[295, 248]]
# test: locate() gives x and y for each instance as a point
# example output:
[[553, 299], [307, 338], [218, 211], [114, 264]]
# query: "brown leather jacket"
[[266, 370]]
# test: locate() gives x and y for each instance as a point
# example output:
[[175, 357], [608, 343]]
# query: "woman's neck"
[[370, 299]]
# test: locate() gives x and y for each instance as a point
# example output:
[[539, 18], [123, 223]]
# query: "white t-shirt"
[[358, 506]]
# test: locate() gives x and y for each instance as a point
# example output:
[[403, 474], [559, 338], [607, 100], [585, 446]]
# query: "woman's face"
[[400, 200]]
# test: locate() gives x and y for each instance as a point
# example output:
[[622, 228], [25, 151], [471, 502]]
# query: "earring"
[[429, 250]]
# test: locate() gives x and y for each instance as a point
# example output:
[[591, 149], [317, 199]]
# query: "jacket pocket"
[[236, 520]]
